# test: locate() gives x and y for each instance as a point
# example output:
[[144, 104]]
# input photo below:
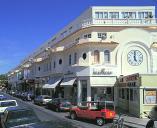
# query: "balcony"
[[119, 22], [108, 22]]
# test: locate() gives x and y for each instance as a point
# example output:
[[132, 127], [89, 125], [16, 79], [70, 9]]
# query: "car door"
[[53, 104], [82, 111]]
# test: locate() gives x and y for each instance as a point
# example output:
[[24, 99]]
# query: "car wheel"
[[73, 115], [99, 121]]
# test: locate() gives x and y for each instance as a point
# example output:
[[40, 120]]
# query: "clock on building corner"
[[135, 57]]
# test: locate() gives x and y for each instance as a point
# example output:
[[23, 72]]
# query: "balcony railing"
[[119, 22]]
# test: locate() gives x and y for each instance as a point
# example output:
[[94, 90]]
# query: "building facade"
[[83, 61]]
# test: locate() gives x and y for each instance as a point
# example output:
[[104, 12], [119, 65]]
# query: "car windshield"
[[47, 97], [107, 105], [21, 117], [8, 103]]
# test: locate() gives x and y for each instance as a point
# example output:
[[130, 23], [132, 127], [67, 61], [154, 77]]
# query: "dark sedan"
[[59, 104], [18, 117]]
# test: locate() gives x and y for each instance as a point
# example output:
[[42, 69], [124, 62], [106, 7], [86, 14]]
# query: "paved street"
[[47, 115]]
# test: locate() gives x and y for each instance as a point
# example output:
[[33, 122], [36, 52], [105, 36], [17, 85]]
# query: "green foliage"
[[3, 79]]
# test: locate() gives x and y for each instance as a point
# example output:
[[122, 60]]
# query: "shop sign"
[[102, 71], [132, 77], [150, 97]]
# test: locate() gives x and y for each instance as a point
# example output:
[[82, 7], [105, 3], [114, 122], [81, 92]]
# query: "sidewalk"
[[132, 121]]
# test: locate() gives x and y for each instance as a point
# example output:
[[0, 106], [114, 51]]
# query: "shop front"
[[96, 83], [137, 93], [68, 88], [51, 87], [102, 88]]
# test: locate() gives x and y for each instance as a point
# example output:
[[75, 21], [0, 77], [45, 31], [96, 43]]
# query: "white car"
[[6, 104], [42, 99]]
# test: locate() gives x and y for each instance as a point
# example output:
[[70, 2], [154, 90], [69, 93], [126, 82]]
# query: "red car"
[[101, 112]]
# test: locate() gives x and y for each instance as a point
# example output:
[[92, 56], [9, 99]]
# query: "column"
[[79, 93], [88, 91]]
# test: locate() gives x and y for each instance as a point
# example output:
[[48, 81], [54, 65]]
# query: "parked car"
[[17, 117], [6, 104], [2, 97], [59, 104], [12, 92], [42, 99], [101, 112]]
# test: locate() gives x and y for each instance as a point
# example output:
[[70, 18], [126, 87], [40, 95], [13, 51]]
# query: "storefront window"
[[131, 94], [120, 93], [108, 91], [123, 93], [150, 96], [84, 90]]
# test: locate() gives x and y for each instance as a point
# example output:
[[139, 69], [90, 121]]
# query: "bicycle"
[[119, 123]]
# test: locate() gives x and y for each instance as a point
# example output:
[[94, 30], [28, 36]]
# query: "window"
[[109, 91], [39, 69], [131, 94], [70, 59], [107, 56], [114, 15], [143, 15], [96, 15], [84, 56], [87, 36], [150, 96], [77, 39], [102, 35], [75, 58], [129, 15], [101, 15], [84, 90], [96, 56], [123, 93], [120, 93], [105, 15], [60, 61]]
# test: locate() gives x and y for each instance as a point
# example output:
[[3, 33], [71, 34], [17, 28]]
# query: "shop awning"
[[68, 82], [53, 85], [46, 85]]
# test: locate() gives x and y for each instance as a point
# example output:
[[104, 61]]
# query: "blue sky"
[[26, 24]]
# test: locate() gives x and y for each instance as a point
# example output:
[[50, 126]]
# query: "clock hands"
[[135, 59]]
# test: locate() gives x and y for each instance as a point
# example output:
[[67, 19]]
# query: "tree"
[[3, 80]]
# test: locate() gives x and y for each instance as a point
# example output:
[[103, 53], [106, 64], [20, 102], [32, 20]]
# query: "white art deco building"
[[83, 61]]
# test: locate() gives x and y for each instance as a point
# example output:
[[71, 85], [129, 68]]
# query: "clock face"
[[135, 57]]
